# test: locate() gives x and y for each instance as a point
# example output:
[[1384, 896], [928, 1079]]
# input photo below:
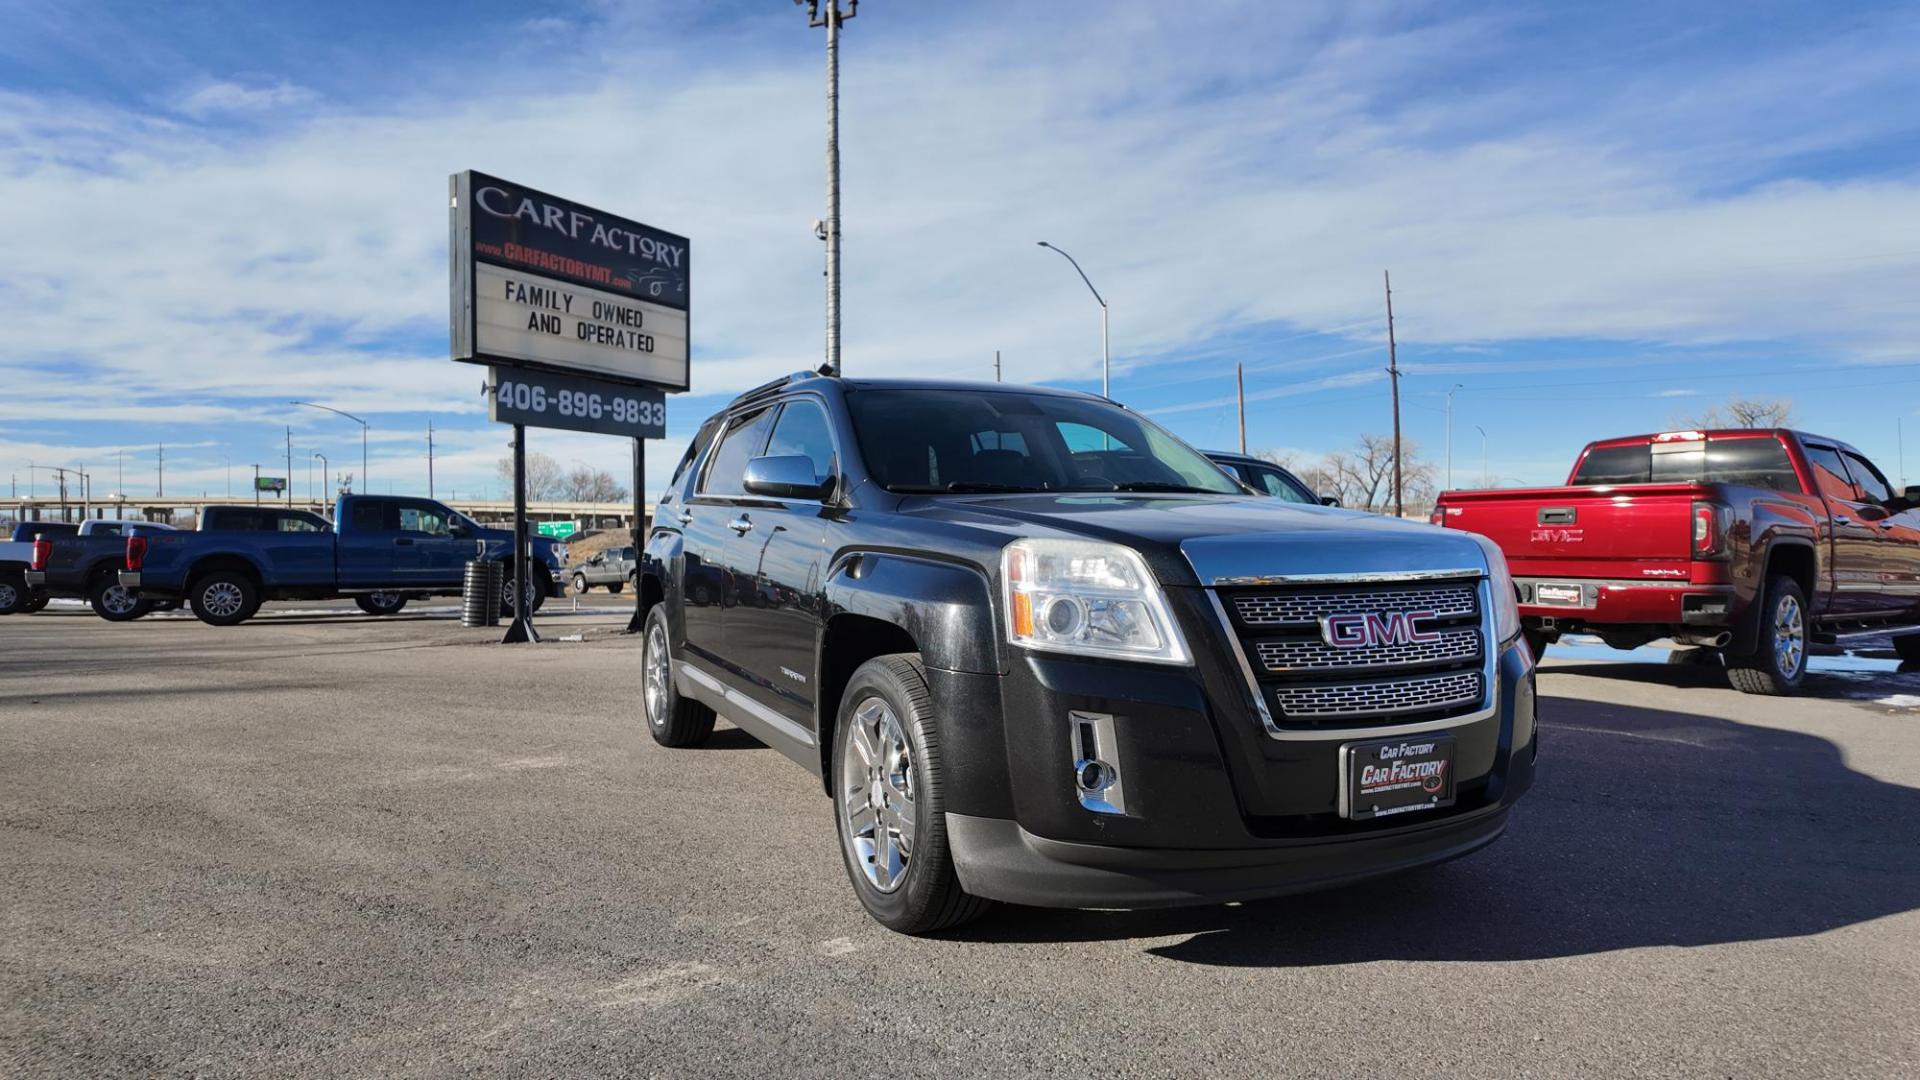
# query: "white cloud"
[[216, 98], [1677, 393]]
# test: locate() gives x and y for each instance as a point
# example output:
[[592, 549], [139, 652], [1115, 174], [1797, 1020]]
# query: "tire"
[[381, 603], [1908, 647], [1537, 641], [114, 602], [539, 594], [223, 598], [886, 745], [580, 583], [35, 602], [1779, 664], [614, 587], [672, 720], [13, 592]]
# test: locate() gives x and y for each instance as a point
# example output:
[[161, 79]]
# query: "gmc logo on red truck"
[[1373, 629]]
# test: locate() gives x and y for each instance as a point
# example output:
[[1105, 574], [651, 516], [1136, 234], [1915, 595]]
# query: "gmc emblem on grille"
[[1372, 629]]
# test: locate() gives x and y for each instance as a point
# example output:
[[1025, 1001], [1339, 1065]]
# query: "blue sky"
[[1600, 220]]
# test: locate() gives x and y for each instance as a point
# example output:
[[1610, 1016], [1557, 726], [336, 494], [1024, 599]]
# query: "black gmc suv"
[[1041, 651]]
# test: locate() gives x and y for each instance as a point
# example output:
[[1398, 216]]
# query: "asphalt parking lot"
[[323, 843]]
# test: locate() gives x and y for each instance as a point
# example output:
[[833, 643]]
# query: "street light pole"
[[1450, 390], [1483, 454], [364, 480], [1106, 356], [324, 474], [831, 20]]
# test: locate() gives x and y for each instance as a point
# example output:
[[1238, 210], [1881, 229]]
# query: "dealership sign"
[[541, 282]]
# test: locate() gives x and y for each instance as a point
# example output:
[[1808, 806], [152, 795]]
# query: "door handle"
[[1840, 519], [740, 525], [1888, 523], [685, 517], [402, 541]]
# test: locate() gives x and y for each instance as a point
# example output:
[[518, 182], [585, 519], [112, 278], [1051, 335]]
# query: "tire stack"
[[480, 594]]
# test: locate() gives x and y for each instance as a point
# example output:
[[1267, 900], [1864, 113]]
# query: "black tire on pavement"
[[1778, 664], [223, 598], [113, 601], [885, 710], [13, 592], [534, 589], [381, 603], [672, 720], [614, 587], [1907, 647], [34, 603]]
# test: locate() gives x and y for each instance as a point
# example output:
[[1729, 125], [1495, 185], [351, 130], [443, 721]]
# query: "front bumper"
[[1216, 809]]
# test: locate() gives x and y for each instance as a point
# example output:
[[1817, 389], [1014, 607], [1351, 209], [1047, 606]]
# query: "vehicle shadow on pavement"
[[1645, 828], [1836, 685]]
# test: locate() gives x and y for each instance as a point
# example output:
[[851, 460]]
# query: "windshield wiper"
[[963, 486], [1160, 485]]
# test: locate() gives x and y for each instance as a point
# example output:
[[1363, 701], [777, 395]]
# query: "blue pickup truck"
[[382, 551]]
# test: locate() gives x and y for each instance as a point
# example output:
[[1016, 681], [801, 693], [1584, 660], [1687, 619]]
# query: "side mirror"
[[1329, 500], [789, 476], [1912, 494], [458, 531]]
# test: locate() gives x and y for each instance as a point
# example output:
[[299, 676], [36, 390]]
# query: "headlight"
[[1088, 598], [1506, 600], [560, 554]]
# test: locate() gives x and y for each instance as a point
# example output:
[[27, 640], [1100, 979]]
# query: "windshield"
[[986, 440]]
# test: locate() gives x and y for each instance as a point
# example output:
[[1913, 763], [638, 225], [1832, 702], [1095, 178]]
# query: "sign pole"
[[639, 620], [522, 628]]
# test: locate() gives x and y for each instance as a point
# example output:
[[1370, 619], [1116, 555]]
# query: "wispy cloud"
[[1675, 393], [216, 98]]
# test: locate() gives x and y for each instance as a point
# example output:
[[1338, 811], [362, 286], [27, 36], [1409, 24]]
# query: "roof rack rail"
[[781, 383]]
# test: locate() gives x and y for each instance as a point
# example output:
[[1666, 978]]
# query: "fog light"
[[1097, 775]]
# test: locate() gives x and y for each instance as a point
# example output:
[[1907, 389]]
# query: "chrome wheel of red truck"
[[1779, 664]]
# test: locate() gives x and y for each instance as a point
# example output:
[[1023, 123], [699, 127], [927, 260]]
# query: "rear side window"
[[301, 523], [1757, 462], [1275, 483], [1830, 474], [371, 516], [742, 442], [1868, 479], [1616, 465]]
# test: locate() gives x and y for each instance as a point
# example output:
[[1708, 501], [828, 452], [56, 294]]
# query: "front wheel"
[[889, 801], [536, 595], [1779, 664], [614, 587], [580, 583], [115, 602], [224, 598], [381, 603], [1907, 648]]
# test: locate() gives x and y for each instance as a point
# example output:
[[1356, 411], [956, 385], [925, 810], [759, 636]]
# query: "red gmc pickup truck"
[[1753, 542]]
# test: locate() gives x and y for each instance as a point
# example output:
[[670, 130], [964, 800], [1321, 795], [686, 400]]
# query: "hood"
[[1222, 538]]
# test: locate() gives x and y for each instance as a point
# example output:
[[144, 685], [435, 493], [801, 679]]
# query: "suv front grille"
[[1307, 682]]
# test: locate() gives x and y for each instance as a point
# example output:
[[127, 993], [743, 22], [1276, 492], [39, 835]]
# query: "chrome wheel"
[[384, 599], [222, 599], [117, 600], [876, 793], [658, 667], [1789, 636], [9, 595]]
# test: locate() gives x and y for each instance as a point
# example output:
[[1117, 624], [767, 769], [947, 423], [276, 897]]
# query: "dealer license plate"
[[1396, 776], [1554, 595]]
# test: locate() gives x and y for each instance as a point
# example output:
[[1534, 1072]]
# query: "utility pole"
[[160, 482], [832, 19], [1450, 390], [256, 485], [996, 365], [1393, 372], [287, 492], [1240, 386], [1900, 435], [229, 476], [1483, 455], [120, 472], [429, 459]]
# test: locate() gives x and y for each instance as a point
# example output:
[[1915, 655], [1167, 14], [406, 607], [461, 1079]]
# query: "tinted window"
[[1830, 475], [27, 530], [1868, 478], [236, 521], [802, 432], [961, 440], [1756, 462], [301, 523], [371, 516], [1616, 465], [699, 441], [1278, 484], [106, 530], [742, 442]]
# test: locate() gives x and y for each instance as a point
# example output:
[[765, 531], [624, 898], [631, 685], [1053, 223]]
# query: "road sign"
[[269, 483], [558, 530], [547, 399], [543, 282]]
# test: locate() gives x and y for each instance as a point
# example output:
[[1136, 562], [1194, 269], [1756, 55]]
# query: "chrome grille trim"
[[1305, 608], [1422, 694], [1312, 654]]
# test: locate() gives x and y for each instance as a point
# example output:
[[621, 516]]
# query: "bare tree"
[[1362, 478], [586, 484], [1741, 412], [544, 477]]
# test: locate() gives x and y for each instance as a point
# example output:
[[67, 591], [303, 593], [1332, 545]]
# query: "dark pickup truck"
[[1038, 650], [1753, 542], [83, 565], [16, 558], [381, 550]]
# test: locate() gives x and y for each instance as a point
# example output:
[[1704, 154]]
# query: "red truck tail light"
[[1438, 517], [1709, 531], [136, 552], [42, 551]]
